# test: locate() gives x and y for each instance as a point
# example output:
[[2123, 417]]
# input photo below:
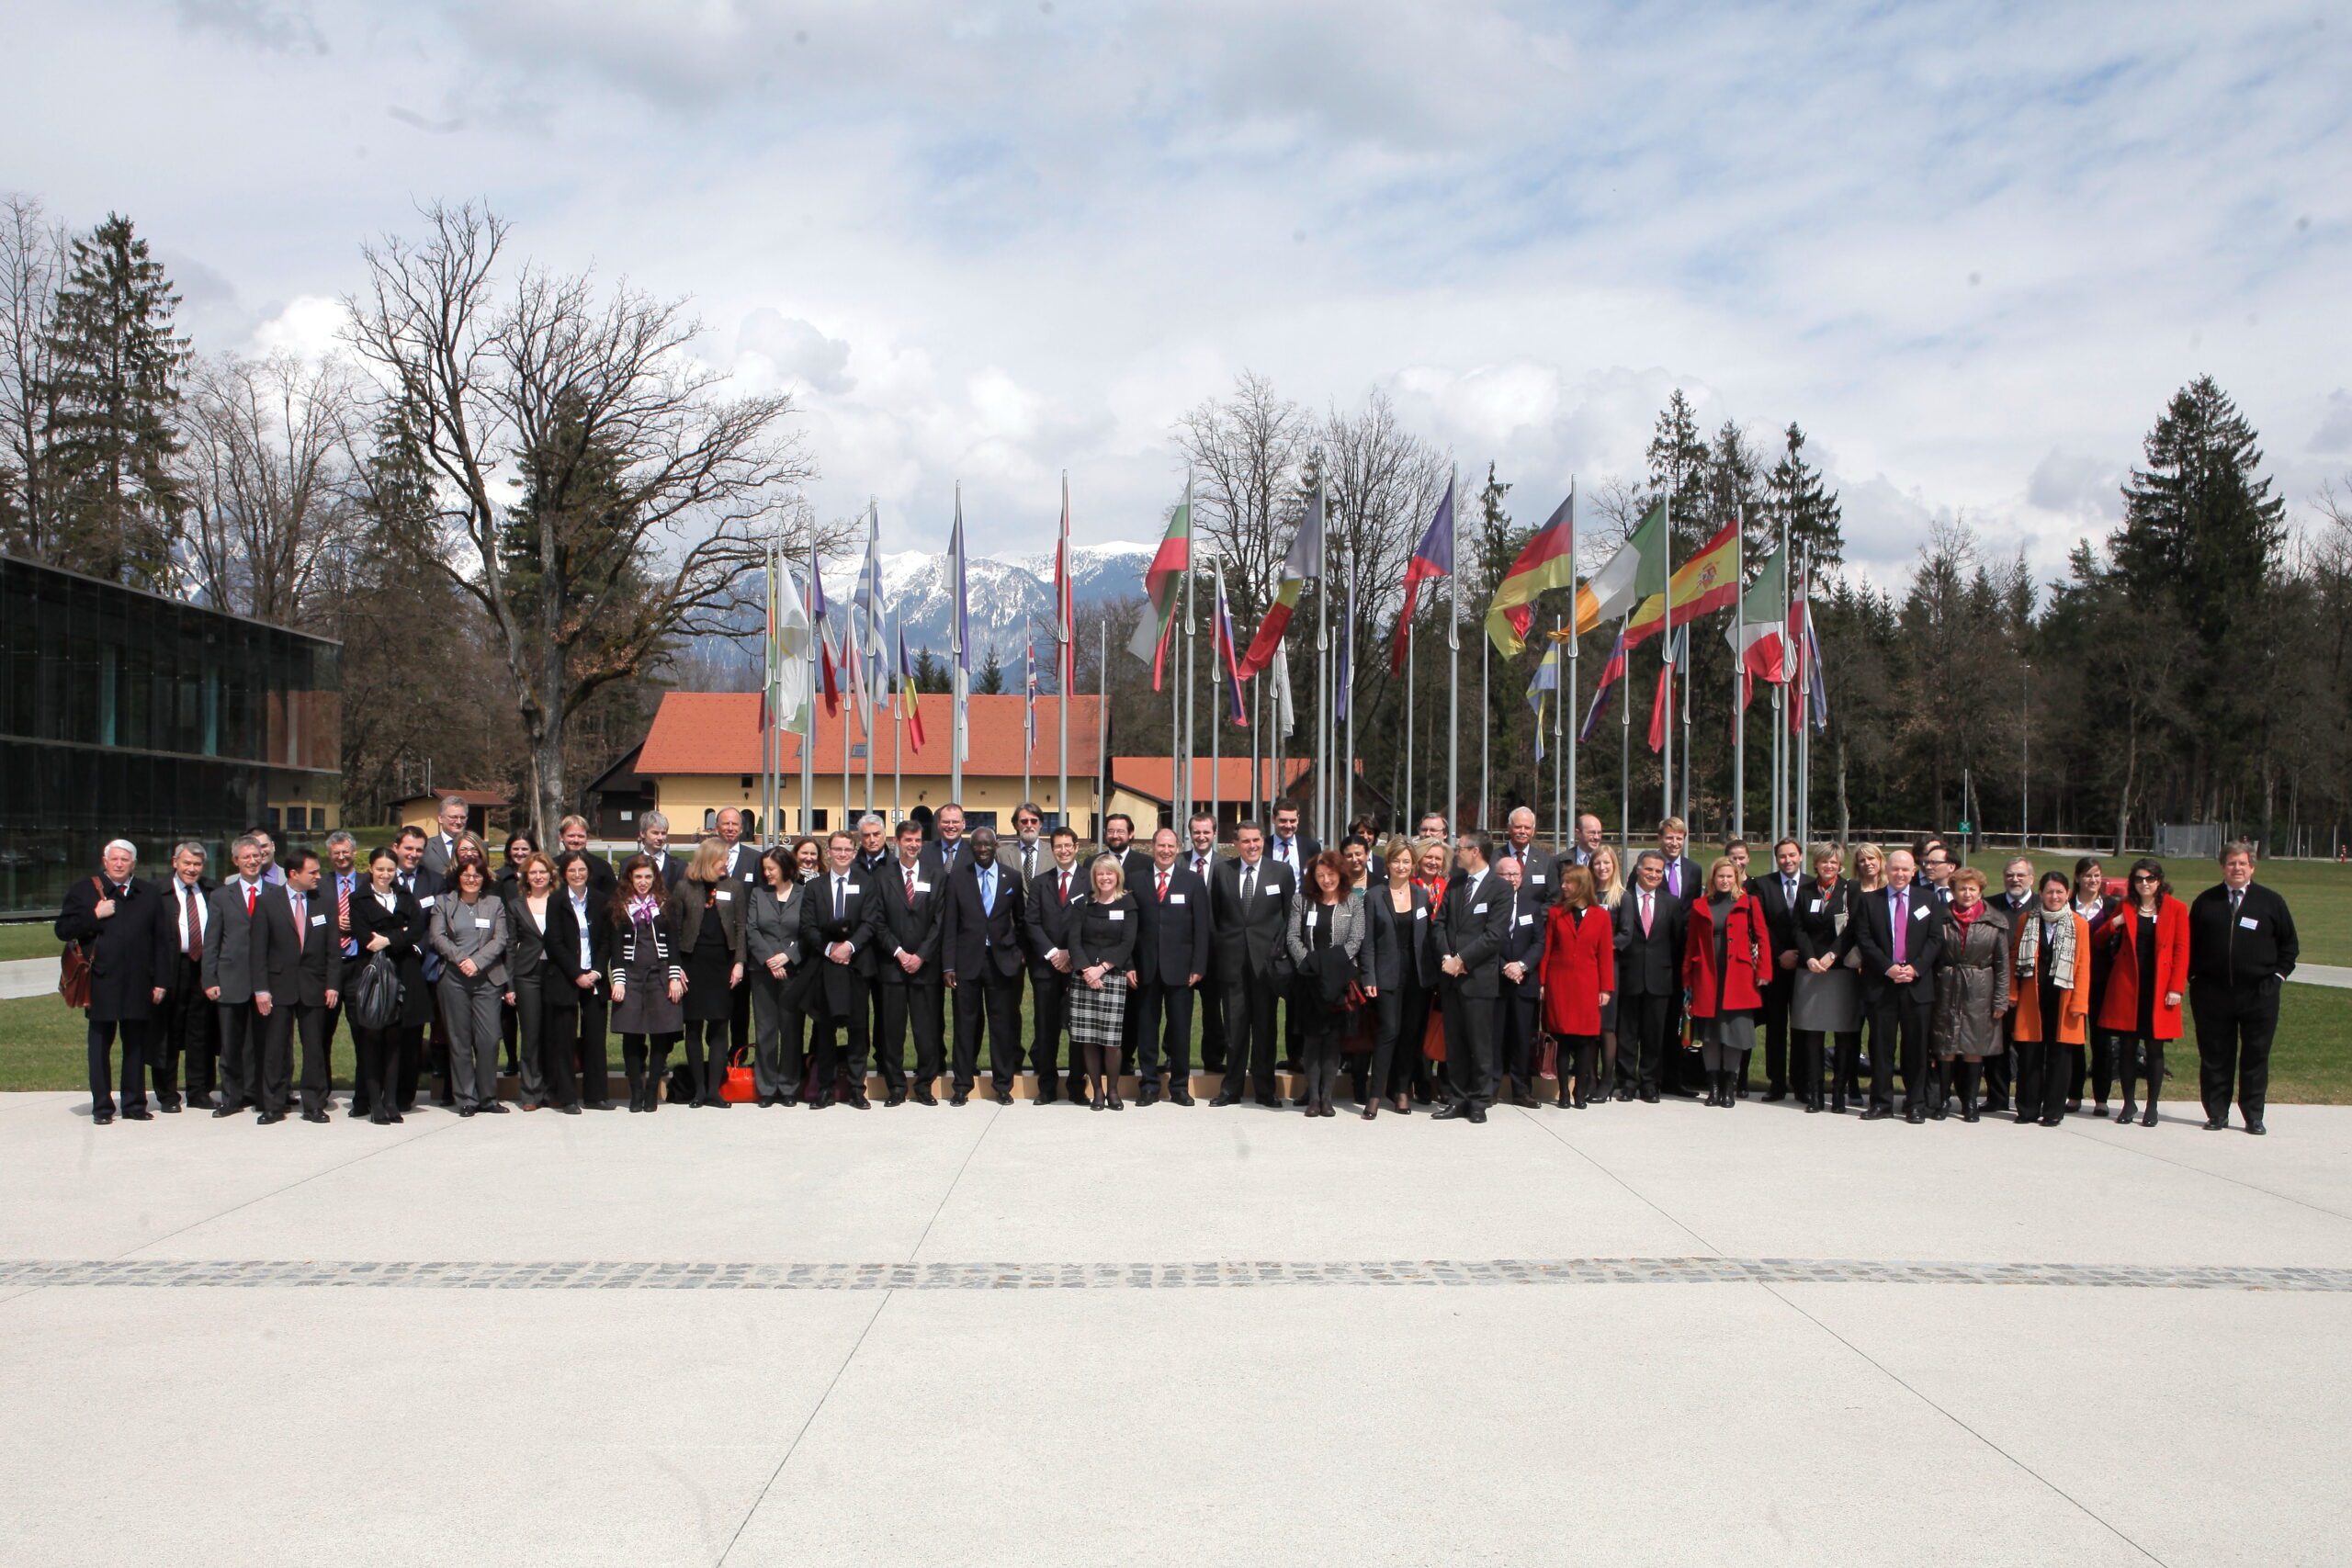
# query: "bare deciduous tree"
[[267, 479], [32, 268], [646, 494], [1246, 451]]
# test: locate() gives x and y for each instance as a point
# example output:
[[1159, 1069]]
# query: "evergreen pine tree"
[[1798, 503], [930, 672], [991, 680], [2199, 528], [113, 394], [1679, 462]]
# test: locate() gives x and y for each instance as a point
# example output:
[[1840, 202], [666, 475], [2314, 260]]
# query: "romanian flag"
[[1611, 674], [1305, 563], [1708, 581], [909, 701], [1161, 581], [1433, 556]]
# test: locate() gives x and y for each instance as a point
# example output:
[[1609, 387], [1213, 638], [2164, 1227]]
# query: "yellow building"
[[703, 753]]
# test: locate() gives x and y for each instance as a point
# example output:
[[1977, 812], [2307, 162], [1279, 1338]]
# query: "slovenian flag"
[[1432, 558], [1302, 566]]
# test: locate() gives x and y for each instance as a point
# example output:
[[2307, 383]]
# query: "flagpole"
[[1029, 719], [1348, 764], [1257, 733], [809, 741], [1568, 805], [1558, 788], [1804, 699], [1454, 671], [1486, 725], [1666, 667], [1687, 661], [957, 686], [1216, 709], [767, 707], [898, 750], [872, 632], [849, 710], [1410, 822], [1780, 796], [1101, 726], [1625, 752], [1738, 674], [1321, 804], [1182, 809]]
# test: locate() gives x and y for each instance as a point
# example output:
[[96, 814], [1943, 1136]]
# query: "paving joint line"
[[2199, 1170], [1868, 1360]]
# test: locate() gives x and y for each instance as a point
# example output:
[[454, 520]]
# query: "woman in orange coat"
[[1579, 976], [1726, 964], [2147, 970], [2050, 995]]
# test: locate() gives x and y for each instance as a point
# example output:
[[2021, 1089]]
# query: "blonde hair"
[[1609, 893], [1866, 848], [1723, 862], [710, 861], [1118, 871]]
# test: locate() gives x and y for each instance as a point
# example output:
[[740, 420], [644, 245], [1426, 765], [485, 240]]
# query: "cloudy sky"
[[1972, 248]]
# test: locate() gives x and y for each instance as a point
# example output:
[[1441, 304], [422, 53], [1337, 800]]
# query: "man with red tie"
[[298, 961], [1200, 858], [1172, 953], [909, 971], [1046, 936], [232, 975]]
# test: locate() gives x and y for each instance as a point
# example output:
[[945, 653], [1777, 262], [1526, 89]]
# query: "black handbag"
[[376, 998]]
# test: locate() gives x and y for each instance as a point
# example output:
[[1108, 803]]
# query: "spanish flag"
[[1708, 581]]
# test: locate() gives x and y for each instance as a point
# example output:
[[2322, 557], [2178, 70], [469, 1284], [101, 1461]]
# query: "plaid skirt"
[[1096, 1017]]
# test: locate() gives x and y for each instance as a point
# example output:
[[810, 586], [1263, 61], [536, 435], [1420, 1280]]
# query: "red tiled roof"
[[471, 796], [1149, 776], [718, 732]]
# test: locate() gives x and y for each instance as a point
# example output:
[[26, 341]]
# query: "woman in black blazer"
[[387, 918], [1101, 950], [1401, 909], [777, 971], [573, 1034], [1827, 997], [530, 906]]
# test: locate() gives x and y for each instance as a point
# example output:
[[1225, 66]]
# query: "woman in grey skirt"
[[648, 983], [1828, 997], [468, 930], [1101, 948]]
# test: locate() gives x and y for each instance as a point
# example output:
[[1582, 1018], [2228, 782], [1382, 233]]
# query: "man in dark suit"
[[951, 852], [408, 850], [1172, 953], [232, 976], [847, 909], [981, 939], [1249, 898], [1537, 864], [1779, 891], [1469, 931], [572, 834], [1286, 846], [2242, 945], [742, 864], [653, 843], [1648, 938], [341, 880], [1200, 859], [1898, 943], [120, 923], [1521, 989], [908, 943], [441, 848], [1685, 880], [301, 960], [1046, 938], [184, 1025]]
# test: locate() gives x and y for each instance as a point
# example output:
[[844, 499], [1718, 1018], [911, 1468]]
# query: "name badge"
[[482, 922], [849, 889], [922, 886], [1116, 914], [1919, 914], [1421, 914], [1536, 877], [1310, 919], [2248, 923], [1274, 892], [318, 919], [426, 902], [1816, 907], [722, 893], [1175, 898], [1526, 919], [1478, 909]]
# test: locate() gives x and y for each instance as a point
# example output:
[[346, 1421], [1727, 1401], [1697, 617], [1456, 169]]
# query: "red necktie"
[[301, 903], [1065, 887], [910, 885], [250, 895], [1163, 887], [342, 906]]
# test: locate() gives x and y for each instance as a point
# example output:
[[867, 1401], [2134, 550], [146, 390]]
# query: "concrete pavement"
[[1645, 1334]]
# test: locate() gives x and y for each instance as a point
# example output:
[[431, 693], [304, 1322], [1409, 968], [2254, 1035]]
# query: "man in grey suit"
[[232, 975], [441, 848], [1469, 931]]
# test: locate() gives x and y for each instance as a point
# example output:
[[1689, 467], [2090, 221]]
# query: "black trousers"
[[241, 1044], [1163, 1033], [270, 1048], [1642, 1024], [530, 1053], [409, 1066], [133, 1031], [993, 1001], [181, 1029], [646, 1060], [1516, 1038], [377, 1083], [739, 1017], [1777, 1076], [1211, 996], [1048, 1019], [2095, 1066], [1899, 1022], [2000, 1072], [2044, 1074], [1469, 1045], [1387, 1072], [291, 1022], [916, 1003], [2235, 1024], [839, 1043], [1248, 1008]]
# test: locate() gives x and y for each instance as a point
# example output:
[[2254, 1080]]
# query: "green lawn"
[[2319, 892], [41, 1047], [28, 939]]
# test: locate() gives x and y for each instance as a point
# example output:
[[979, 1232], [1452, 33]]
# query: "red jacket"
[[1580, 962], [1743, 988], [2118, 1007]]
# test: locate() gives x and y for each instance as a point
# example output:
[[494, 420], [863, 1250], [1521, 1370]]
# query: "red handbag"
[[73, 965], [738, 1087]]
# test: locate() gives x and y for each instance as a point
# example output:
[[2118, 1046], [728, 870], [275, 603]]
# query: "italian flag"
[[1760, 637]]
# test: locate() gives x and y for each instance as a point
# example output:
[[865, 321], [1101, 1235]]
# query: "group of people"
[[1450, 969]]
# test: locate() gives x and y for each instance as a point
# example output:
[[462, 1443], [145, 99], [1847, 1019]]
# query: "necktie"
[[251, 893], [195, 925], [988, 890], [2235, 894], [1789, 891], [1645, 912], [301, 904], [1673, 878], [1163, 887], [1249, 885], [1200, 866], [910, 885], [1065, 887], [1902, 909], [840, 898], [343, 911]]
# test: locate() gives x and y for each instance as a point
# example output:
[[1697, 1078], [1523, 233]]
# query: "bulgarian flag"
[[1161, 581], [1708, 581], [1759, 636], [1305, 563]]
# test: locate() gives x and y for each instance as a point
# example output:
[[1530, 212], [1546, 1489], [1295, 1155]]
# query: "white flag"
[[1285, 719]]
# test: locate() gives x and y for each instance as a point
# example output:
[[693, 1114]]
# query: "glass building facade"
[[128, 716]]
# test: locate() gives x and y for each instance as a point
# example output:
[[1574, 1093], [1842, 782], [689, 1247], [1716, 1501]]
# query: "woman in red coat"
[[2147, 971], [1579, 976], [1727, 964]]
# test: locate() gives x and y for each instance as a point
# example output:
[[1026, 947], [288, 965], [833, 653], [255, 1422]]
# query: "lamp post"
[[2025, 756]]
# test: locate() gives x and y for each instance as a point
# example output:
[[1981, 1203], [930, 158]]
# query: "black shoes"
[[2150, 1118], [1223, 1098], [1179, 1097], [220, 1110], [1457, 1111], [495, 1108], [320, 1117], [269, 1119], [569, 1110], [961, 1097], [1775, 1095], [924, 1097], [897, 1096], [1147, 1094], [2256, 1128], [101, 1118], [1876, 1113], [2217, 1125], [857, 1101]]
